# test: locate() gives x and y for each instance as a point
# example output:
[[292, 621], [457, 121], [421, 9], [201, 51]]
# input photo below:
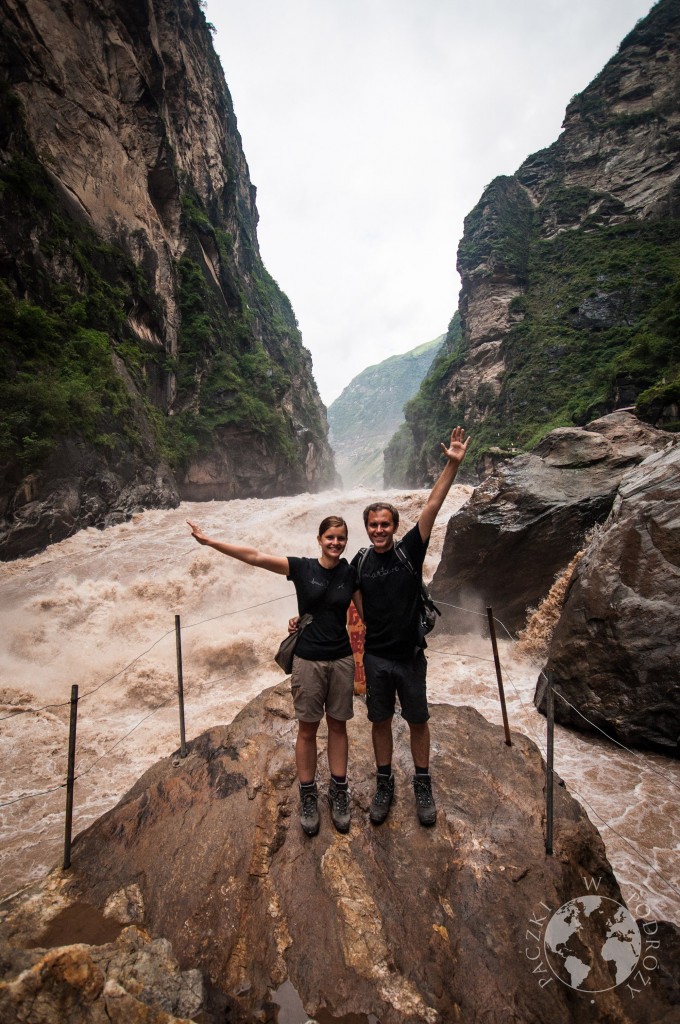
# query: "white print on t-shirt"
[[382, 572]]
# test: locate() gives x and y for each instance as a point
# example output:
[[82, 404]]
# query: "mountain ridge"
[[370, 409]]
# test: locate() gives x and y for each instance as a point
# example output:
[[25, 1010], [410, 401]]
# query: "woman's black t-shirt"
[[326, 594]]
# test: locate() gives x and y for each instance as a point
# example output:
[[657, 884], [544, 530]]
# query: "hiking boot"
[[380, 804], [422, 787], [338, 798], [309, 811]]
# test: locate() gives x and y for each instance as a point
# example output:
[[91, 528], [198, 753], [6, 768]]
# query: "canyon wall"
[[569, 268], [147, 355]]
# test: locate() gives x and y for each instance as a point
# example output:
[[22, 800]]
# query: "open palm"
[[457, 447]]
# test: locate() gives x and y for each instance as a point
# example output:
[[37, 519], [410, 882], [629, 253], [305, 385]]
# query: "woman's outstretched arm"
[[275, 563]]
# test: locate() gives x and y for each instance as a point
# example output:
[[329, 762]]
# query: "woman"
[[323, 666]]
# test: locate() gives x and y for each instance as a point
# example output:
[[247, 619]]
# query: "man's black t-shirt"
[[390, 594], [326, 594]]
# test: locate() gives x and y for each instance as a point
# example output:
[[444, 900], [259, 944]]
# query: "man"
[[394, 659]]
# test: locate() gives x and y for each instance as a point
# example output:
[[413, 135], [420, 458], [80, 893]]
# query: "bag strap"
[[424, 592], [363, 555], [403, 557]]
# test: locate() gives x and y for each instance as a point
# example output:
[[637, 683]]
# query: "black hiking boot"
[[422, 787], [338, 798], [309, 811], [380, 804]]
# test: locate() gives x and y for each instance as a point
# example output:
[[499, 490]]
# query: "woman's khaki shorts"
[[319, 686]]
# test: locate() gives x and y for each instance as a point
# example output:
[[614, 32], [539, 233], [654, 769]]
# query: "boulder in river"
[[615, 652], [523, 525]]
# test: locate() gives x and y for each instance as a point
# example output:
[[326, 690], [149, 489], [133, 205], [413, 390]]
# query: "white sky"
[[371, 128]]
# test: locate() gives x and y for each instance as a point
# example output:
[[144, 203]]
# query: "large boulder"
[[399, 923], [615, 652], [523, 525]]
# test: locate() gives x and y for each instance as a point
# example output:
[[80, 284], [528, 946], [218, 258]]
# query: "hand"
[[197, 533], [293, 624], [457, 448]]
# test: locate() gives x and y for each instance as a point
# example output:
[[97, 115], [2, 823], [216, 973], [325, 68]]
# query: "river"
[[98, 610]]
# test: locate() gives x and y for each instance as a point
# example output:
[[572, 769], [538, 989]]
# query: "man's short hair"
[[382, 506]]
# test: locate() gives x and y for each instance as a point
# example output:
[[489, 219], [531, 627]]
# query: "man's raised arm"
[[455, 454]]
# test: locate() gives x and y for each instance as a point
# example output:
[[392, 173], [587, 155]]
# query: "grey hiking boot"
[[309, 811], [338, 798], [380, 804], [422, 787]]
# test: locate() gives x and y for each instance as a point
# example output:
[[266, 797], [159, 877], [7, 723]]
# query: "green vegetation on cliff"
[[57, 375], [599, 328], [57, 379], [58, 350]]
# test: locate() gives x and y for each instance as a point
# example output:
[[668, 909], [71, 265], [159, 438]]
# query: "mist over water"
[[99, 610]]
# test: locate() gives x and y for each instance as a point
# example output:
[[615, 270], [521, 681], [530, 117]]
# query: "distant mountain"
[[370, 410]]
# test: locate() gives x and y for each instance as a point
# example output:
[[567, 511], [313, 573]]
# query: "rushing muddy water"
[[98, 610]]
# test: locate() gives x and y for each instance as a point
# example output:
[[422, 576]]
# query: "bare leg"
[[337, 746], [305, 751], [420, 744], [382, 741]]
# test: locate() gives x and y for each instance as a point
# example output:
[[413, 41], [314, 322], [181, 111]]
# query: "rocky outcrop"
[[399, 922], [140, 327], [132, 980], [568, 288], [615, 653], [523, 525], [75, 489]]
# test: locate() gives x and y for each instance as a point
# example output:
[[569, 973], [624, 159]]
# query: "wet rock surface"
[[395, 923], [523, 525], [615, 653], [77, 488]]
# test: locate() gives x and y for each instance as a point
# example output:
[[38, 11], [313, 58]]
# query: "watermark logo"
[[591, 944]]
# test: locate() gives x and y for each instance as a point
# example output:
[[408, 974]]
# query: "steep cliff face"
[[141, 329], [570, 268]]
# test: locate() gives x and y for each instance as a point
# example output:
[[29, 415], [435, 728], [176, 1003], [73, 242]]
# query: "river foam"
[[98, 610]]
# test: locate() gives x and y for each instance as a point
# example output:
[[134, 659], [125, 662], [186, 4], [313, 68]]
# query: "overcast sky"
[[371, 128]]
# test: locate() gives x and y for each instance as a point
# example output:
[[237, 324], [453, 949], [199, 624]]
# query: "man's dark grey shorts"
[[386, 680]]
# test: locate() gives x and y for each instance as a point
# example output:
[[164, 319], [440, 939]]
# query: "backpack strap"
[[403, 557], [363, 555], [424, 590]]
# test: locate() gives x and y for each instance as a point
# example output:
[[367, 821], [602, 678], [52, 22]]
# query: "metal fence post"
[[550, 718], [180, 688], [499, 677], [70, 777]]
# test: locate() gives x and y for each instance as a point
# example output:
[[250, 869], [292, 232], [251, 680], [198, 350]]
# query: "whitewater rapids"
[[98, 610]]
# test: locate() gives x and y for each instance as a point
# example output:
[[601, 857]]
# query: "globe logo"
[[591, 940]]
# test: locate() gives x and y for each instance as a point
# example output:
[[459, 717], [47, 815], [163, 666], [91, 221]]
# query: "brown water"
[[98, 610]]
